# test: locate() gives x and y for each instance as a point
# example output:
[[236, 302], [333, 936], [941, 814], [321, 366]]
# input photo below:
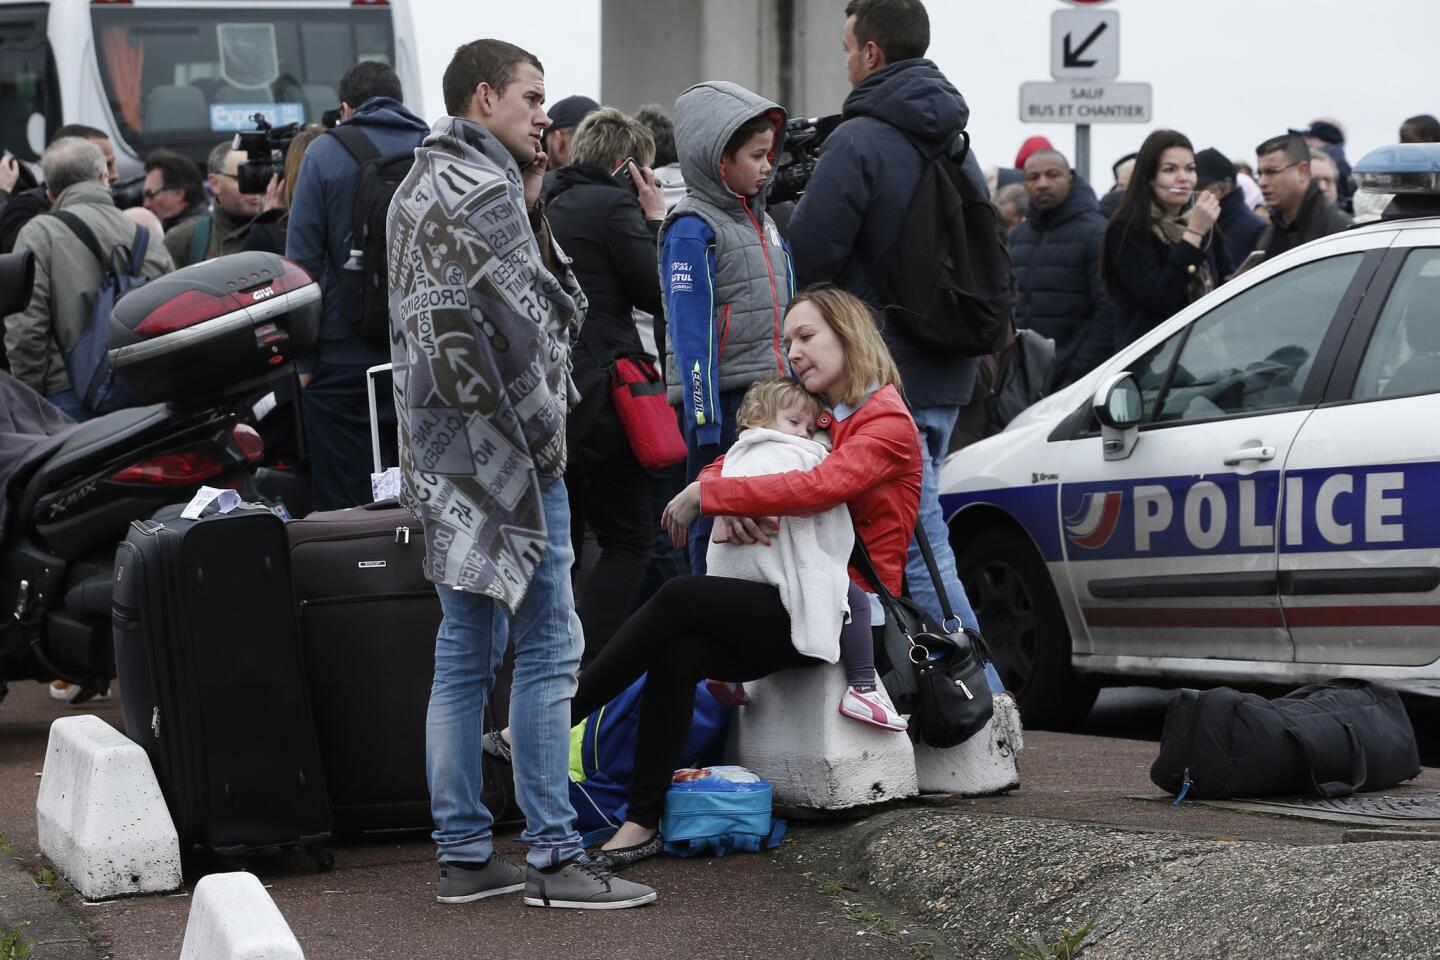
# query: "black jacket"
[[601, 227], [1314, 219], [1148, 279], [22, 208], [1056, 258], [1241, 229], [853, 210]]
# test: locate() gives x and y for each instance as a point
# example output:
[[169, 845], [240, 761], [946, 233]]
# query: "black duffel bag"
[[1328, 739]]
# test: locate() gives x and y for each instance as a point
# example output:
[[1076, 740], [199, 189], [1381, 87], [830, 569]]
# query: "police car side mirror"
[[1119, 407]]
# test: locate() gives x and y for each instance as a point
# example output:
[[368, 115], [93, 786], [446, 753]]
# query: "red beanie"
[[1031, 145]]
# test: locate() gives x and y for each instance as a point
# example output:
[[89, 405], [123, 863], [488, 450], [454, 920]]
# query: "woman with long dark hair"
[[1160, 253]]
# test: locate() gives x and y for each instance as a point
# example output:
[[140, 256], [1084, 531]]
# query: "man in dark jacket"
[[1240, 228], [336, 403], [1298, 211], [847, 227], [1055, 254]]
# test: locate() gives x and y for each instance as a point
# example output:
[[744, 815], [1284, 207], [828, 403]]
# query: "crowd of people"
[[582, 235], [1093, 274]]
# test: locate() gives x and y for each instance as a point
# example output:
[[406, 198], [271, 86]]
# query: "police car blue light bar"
[[1401, 168]]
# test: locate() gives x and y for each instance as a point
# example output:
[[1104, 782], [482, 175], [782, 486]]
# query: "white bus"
[[185, 74]]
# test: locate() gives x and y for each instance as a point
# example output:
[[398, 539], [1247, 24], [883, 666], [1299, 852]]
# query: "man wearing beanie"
[[565, 116], [1241, 229]]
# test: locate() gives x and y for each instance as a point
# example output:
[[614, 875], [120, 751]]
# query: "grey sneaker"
[[461, 884], [583, 884]]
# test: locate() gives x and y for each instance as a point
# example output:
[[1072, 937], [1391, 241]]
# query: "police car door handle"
[[1258, 452]]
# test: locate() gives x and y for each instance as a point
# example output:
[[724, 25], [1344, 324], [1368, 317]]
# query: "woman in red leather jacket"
[[695, 628]]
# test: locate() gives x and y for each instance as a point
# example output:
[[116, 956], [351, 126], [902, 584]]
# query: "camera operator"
[[848, 224], [335, 402], [221, 230], [268, 231]]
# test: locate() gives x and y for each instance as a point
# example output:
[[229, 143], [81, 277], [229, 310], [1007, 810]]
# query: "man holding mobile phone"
[[485, 313]]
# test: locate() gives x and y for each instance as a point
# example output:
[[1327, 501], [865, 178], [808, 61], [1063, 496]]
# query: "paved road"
[[379, 902]]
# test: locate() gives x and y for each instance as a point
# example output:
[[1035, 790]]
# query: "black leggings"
[[692, 629], [857, 640]]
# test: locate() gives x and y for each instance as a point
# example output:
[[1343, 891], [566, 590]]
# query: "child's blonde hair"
[[762, 403]]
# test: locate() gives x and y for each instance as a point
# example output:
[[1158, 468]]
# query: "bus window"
[[186, 78], [29, 91]]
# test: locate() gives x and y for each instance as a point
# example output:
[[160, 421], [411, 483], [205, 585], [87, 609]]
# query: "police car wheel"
[[1009, 587]]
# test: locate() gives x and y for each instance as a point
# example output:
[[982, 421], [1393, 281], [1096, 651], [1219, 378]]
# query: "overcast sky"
[[1227, 73]]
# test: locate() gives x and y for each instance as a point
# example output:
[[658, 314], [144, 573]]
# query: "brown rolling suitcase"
[[368, 619]]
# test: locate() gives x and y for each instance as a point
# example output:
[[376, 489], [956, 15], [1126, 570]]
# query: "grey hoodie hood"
[[706, 117]]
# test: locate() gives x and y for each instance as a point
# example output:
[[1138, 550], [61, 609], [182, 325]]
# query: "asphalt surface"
[[379, 900]]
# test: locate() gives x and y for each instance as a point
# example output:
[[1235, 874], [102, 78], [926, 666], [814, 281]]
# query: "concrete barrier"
[[100, 815], [984, 764], [233, 918], [793, 735]]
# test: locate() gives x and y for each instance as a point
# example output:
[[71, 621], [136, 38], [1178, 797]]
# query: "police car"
[[1250, 493]]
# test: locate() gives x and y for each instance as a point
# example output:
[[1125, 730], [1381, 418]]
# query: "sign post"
[[1084, 55]]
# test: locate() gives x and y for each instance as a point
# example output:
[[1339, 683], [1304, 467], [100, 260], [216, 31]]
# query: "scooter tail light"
[[247, 440], [185, 310], [170, 469]]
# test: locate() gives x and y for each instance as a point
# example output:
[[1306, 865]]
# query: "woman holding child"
[[736, 630]]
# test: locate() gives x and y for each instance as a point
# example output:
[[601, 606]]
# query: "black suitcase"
[[213, 684], [368, 619]]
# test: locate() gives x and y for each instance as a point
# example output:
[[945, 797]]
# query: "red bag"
[[638, 392]]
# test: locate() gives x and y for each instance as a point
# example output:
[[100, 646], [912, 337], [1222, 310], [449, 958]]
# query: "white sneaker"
[[873, 708]]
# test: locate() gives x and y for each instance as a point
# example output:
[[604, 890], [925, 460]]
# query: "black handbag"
[[934, 674]]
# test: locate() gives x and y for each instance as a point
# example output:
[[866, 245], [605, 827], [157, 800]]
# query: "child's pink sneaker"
[[872, 707]]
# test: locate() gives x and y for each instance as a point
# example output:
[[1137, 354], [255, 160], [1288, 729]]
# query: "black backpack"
[[951, 291], [364, 282]]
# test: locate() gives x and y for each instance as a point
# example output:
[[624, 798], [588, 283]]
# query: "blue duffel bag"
[[720, 810]]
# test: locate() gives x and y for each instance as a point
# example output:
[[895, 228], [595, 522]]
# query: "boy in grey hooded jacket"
[[724, 269]]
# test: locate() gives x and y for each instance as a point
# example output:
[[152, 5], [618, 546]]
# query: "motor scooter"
[[214, 358]]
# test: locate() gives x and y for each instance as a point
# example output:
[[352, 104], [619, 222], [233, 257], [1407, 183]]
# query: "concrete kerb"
[[979, 879], [233, 918], [100, 816]]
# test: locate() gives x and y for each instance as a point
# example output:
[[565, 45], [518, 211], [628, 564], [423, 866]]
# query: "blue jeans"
[[697, 459], [469, 648], [936, 424], [71, 405]]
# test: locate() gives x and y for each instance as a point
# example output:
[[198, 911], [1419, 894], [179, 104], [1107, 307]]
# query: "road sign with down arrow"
[[1085, 44]]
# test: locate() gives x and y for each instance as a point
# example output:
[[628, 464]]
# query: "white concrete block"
[[100, 815], [233, 918], [984, 764], [793, 735]]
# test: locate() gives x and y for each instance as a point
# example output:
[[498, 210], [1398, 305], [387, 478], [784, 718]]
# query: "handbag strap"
[[1358, 766]]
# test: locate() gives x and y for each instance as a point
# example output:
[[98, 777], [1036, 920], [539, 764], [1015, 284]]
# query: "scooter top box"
[[190, 333]]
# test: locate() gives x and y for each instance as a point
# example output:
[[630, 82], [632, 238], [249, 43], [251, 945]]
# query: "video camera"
[[264, 153], [803, 137]]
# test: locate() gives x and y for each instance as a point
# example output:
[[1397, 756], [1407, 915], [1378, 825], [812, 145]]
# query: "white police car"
[[1250, 493]]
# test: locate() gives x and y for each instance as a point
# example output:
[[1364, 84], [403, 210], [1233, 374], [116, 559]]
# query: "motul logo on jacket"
[[680, 279]]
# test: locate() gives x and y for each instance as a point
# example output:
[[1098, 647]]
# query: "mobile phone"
[[621, 174], [1254, 257]]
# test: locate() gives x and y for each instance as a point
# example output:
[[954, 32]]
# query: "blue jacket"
[[1241, 228], [850, 218], [1056, 258], [320, 221]]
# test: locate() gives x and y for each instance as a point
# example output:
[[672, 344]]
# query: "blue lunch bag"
[[721, 810]]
